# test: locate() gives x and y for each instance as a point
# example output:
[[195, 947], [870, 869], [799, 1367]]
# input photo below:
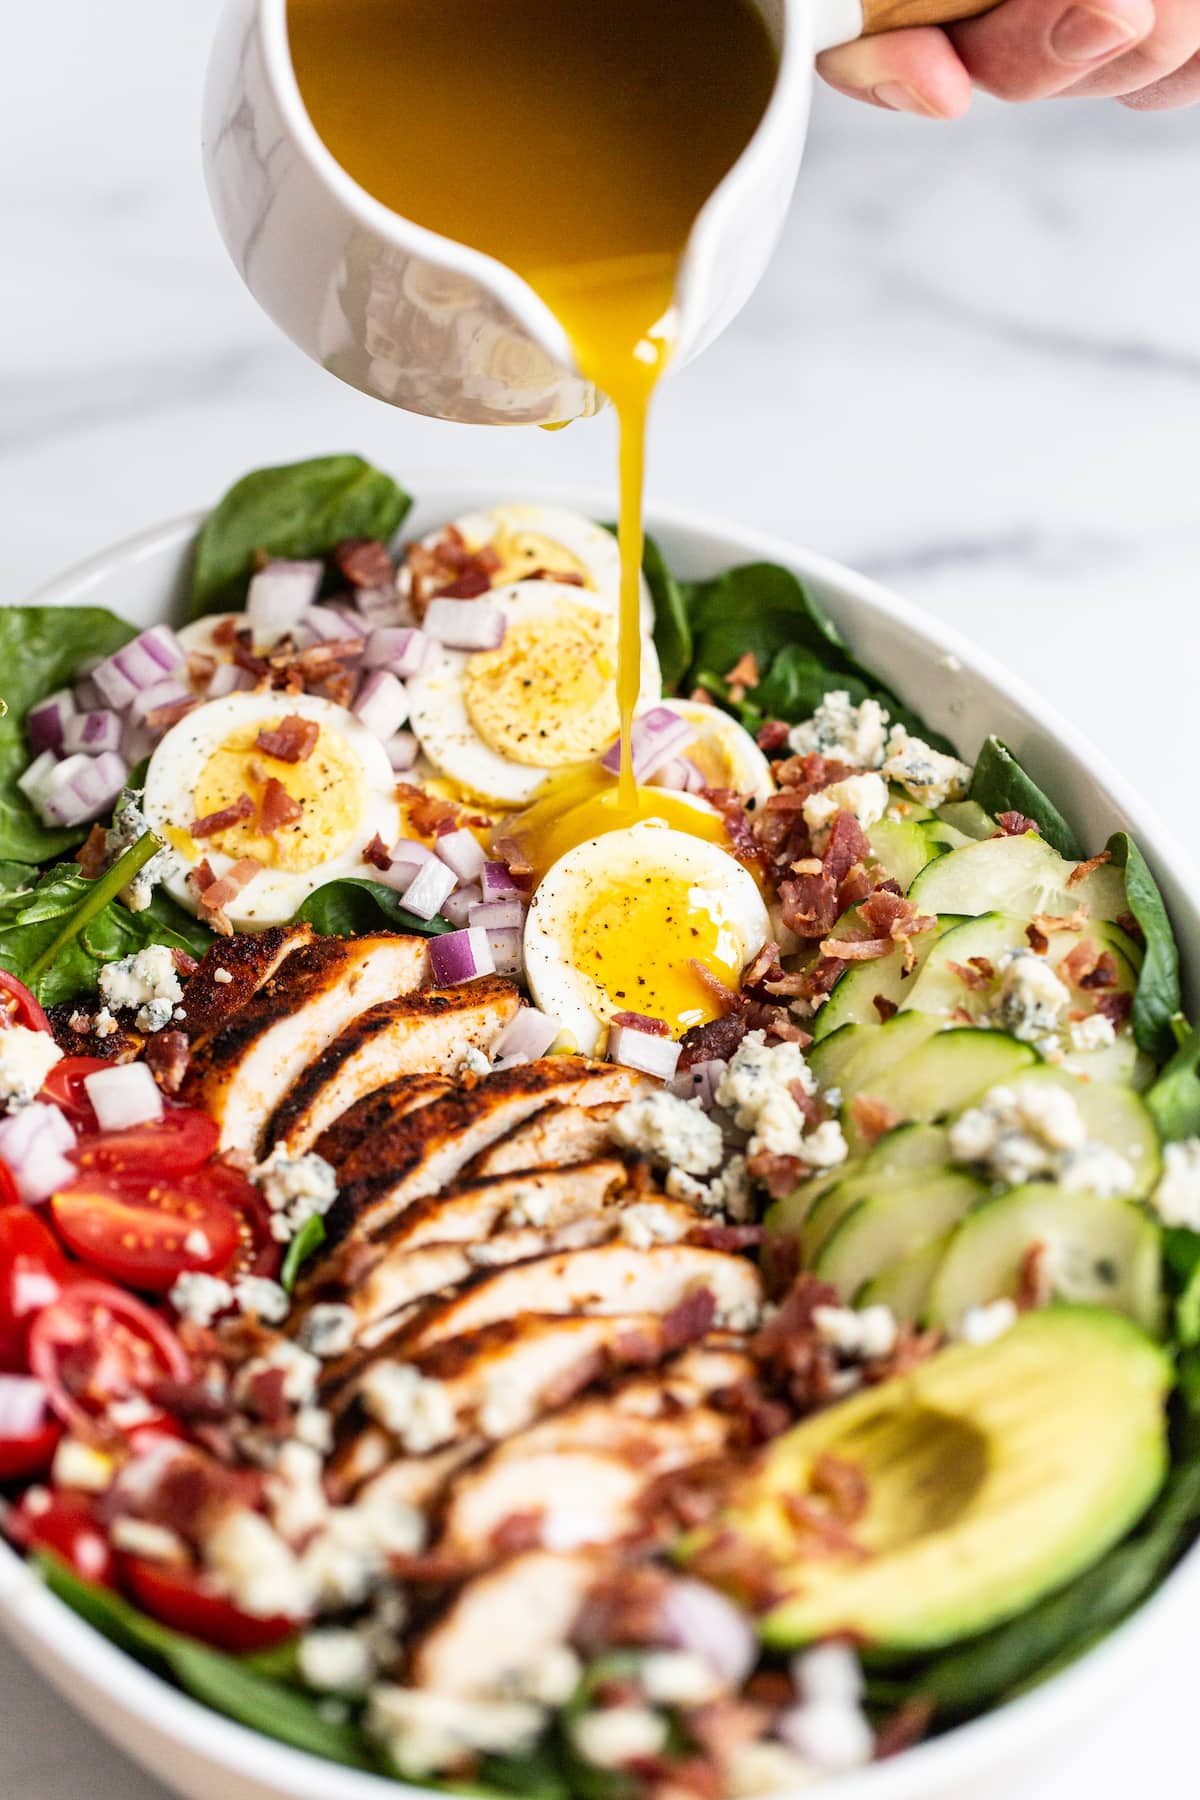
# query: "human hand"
[[1144, 53]]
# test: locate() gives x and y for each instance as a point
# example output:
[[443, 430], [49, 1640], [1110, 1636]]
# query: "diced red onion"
[[114, 686], [279, 596], [139, 665], [699, 1619], [37, 774], [465, 624], [497, 883], [679, 774], [92, 732], [137, 743], [228, 678], [326, 625], [33, 1142], [411, 851], [460, 956], [124, 1096], [87, 695], [407, 857], [402, 751], [46, 722], [461, 851], [529, 1035], [634, 1048], [498, 915], [507, 945], [81, 788], [355, 626], [400, 648], [163, 693], [828, 1672], [457, 908], [382, 606], [22, 1405], [161, 643], [700, 1081], [432, 884], [381, 704], [658, 735]]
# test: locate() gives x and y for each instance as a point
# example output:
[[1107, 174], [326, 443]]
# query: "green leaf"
[[303, 509], [672, 628], [1158, 999], [307, 1240], [41, 648], [100, 891], [350, 906], [226, 1683], [15, 876], [1000, 784], [1174, 1099]]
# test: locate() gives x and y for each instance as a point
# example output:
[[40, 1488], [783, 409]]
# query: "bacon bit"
[[201, 878], [1082, 870], [363, 562], [1014, 824], [842, 1484], [1104, 975], [756, 1418], [714, 1236], [167, 1053], [767, 972], [185, 963], [871, 1117], [743, 676], [905, 1727], [1039, 943], [469, 586], [984, 965], [725, 1726], [293, 740], [200, 666], [569, 577], [887, 1009], [626, 1606], [642, 1022], [1072, 921], [224, 817], [1035, 1285], [700, 697], [818, 1531], [1082, 960], [856, 949], [809, 905], [890, 912], [225, 631], [738, 823], [970, 977], [161, 718], [772, 736], [216, 897], [689, 1319], [723, 997], [719, 1038], [778, 1174], [514, 854], [1128, 923], [960, 1016], [1116, 1008], [92, 854], [377, 854], [265, 1397], [277, 807], [430, 816], [520, 1531], [321, 661], [847, 844]]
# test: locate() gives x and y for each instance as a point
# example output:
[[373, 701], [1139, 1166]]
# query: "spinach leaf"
[[41, 647], [226, 1683], [1174, 1099], [1157, 1000], [302, 509], [1000, 784], [306, 1242], [15, 875], [351, 906], [672, 628]]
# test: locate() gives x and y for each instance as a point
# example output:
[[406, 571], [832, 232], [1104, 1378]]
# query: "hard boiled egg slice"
[[627, 922], [498, 722], [724, 752], [345, 789]]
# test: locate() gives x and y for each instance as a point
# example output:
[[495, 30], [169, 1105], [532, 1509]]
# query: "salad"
[[507, 1289]]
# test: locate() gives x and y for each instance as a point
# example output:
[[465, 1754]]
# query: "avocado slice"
[[994, 1474]]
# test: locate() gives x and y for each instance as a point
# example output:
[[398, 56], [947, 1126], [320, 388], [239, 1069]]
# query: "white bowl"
[[964, 694]]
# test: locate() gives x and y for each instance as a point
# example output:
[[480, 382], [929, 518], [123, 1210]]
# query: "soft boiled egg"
[[632, 922], [724, 752], [345, 789], [498, 722]]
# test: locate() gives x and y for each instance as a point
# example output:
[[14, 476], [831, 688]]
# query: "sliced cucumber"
[[876, 1049], [946, 837], [852, 1001], [1114, 1116], [892, 1224], [904, 1285], [901, 1154], [903, 848], [941, 989], [968, 817], [1020, 875], [937, 1077], [1103, 1252]]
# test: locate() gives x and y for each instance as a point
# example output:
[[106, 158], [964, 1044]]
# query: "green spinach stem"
[[104, 888]]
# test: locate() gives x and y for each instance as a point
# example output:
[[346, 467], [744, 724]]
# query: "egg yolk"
[[547, 697], [586, 804], [329, 786], [645, 940], [526, 553]]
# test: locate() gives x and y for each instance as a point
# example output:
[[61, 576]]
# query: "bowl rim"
[[66, 1645]]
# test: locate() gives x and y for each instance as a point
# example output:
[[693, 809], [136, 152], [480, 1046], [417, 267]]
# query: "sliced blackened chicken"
[[231, 973], [428, 1032], [557, 1134], [241, 1074], [473, 1209], [503, 1623]]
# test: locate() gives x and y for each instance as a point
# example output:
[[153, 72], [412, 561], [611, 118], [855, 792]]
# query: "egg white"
[[438, 709], [274, 895], [739, 763], [712, 880]]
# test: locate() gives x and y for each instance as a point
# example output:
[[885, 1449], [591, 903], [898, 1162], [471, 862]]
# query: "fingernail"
[[899, 98], [1084, 33]]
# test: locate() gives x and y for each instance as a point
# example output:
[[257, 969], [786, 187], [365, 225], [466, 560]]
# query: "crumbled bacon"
[[377, 853], [1084, 961], [689, 1319], [238, 810], [1082, 870], [778, 1174], [788, 1345], [292, 741], [92, 854], [1072, 921], [568, 577], [846, 845], [872, 1118], [1128, 923], [201, 667], [711, 1235], [201, 877], [738, 824], [969, 975], [856, 949], [470, 585], [447, 567], [772, 736], [429, 816], [642, 1022], [1014, 824], [625, 1606], [725, 1726], [843, 1484], [277, 807], [1035, 1281], [161, 718], [185, 962], [717, 1040], [887, 1009], [363, 562], [724, 998], [743, 676], [1104, 975], [225, 631], [757, 1417], [217, 895], [700, 697], [1116, 1008], [893, 914], [519, 1531], [167, 1053], [1039, 943]]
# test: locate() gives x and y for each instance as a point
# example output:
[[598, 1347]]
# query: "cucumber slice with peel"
[[904, 1285], [939, 988], [1020, 875], [892, 1224], [968, 817], [1102, 1252], [936, 1077], [901, 1154], [903, 848], [863, 1051], [852, 1001], [1113, 1115]]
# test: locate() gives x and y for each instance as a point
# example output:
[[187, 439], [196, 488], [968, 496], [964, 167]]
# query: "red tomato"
[[183, 1600], [32, 1455], [259, 1254], [8, 1187], [64, 1088], [182, 1140], [32, 1272], [95, 1345], [66, 1526], [146, 1232], [18, 1006]]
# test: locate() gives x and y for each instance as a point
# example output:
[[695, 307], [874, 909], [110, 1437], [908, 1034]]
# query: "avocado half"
[[994, 1473]]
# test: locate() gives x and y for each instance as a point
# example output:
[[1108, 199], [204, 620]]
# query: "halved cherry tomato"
[[184, 1600], [65, 1525], [8, 1187], [182, 1140], [259, 1252], [31, 1455], [147, 1231], [64, 1088], [18, 1006], [94, 1345], [33, 1270]]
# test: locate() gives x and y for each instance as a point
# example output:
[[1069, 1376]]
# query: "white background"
[[974, 370]]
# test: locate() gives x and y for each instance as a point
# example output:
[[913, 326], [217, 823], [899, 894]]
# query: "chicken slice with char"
[[428, 1032], [473, 1209], [232, 971], [503, 1622], [557, 1134]]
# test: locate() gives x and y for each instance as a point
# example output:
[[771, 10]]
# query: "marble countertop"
[[973, 370]]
